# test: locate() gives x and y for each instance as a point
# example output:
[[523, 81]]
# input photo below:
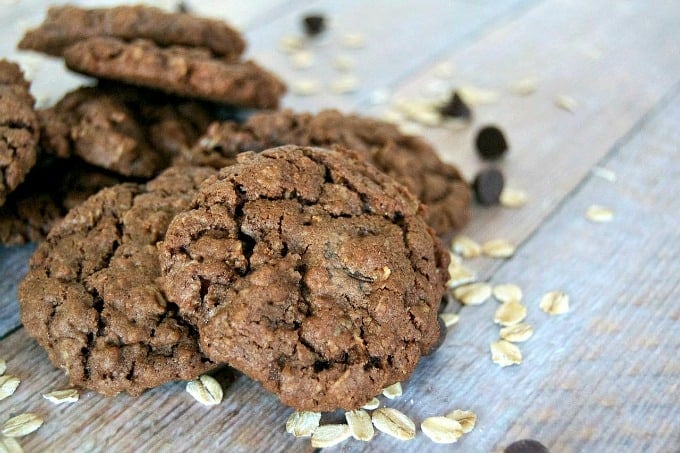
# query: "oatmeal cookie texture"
[[408, 159], [91, 299], [66, 25], [19, 129], [311, 272], [185, 71]]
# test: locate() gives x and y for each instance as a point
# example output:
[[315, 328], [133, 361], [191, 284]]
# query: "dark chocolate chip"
[[491, 142], [443, 304], [456, 108], [526, 446], [182, 7], [488, 186], [314, 24], [443, 330]]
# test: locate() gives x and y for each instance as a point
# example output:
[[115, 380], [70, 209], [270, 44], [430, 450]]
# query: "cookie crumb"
[[8, 385]]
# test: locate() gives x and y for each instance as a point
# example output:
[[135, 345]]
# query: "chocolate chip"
[[488, 186], [182, 7], [526, 446], [443, 304], [491, 142], [314, 24], [442, 336], [456, 108]]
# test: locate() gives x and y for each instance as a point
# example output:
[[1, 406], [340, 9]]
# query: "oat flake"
[[507, 292], [62, 396], [360, 425], [371, 405], [329, 435], [3, 366], [460, 275], [467, 419], [599, 214], [305, 87], [206, 390], [393, 391], [345, 84], [555, 303], [565, 102], [474, 96], [394, 423], [442, 430], [523, 87], [22, 425], [466, 247], [510, 313], [449, 319], [473, 293], [303, 423], [10, 445], [517, 333], [505, 353], [498, 248], [8, 385], [513, 198], [352, 40]]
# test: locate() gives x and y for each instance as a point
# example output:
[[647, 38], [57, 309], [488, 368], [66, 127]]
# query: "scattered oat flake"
[[565, 102], [410, 128], [524, 86], [467, 419], [303, 423], [289, 44], [394, 423], [450, 319], [352, 40], [498, 248], [345, 84], [206, 390], [517, 333], [329, 435], [599, 214], [505, 353], [443, 70], [62, 396], [302, 59], [10, 445], [604, 173], [22, 425], [513, 198], [460, 275], [555, 303], [8, 385], [510, 313], [507, 292], [455, 260], [393, 391], [466, 247], [474, 96], [426, 117], [371, 405], [3, 366], [360, 425], [473, 293], [392, 116], [442, 430], [344, 63], [305, 87]]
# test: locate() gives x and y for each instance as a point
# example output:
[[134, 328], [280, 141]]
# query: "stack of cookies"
[[300, 249]]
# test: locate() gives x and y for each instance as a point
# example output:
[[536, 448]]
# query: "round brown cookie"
[[311, 272], [184, 71], [19, 129], [410, 160], [91, 299], [51, 188], [66, 25]]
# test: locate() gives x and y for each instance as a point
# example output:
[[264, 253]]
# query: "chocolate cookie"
[[410, 160], [91, 299], [122, 129], [19, 130], [184, 71], [66, 25], [51, 188], [310, 271]]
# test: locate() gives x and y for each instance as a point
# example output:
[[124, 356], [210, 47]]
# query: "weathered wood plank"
[[601, 378]]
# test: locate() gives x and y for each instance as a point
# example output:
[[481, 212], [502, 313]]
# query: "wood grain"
[[601, 378]]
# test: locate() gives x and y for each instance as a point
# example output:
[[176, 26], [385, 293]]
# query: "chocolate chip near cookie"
[[526, 446], [491, 143], [67, 25], [184, 71], [311, 272], [408, 159], [488, 185], [455, 107], [314, 24], [91, 299], [19, 130]]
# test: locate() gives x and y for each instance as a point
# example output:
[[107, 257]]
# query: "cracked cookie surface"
[[91, 298], [311, 272], [19, 128], [408, 159]]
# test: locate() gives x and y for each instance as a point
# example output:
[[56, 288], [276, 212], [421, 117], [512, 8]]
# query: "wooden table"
[[602, 378]]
